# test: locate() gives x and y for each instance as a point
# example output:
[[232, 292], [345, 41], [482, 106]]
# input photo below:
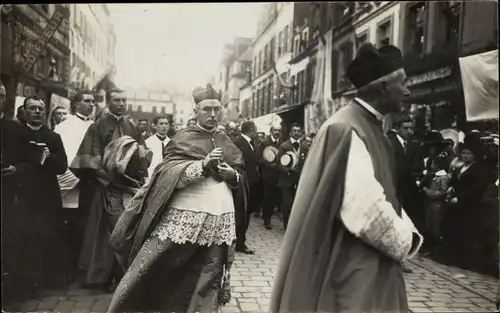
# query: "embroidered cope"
[[201, 211], [368, 215]]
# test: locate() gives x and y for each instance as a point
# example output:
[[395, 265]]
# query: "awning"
[[299, 67], [480, 83], [285, 108], [105, 82], [265, 122]]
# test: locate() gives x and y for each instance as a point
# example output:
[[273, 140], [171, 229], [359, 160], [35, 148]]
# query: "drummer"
[[290, 168]]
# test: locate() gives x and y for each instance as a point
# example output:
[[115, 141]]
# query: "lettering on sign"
[[44, 38], [429, 76]]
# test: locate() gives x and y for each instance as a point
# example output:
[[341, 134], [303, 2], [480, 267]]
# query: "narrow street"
[[429, 286]]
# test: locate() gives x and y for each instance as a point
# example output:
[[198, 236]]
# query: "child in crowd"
[[434, 187]]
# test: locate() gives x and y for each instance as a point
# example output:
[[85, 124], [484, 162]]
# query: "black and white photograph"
[[250, 157]]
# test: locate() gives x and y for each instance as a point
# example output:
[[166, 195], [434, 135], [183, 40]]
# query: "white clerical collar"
[[164, 139], [246, 138], [83, 117], [379, 116], [293, 140], [34, 127], [272, 139]]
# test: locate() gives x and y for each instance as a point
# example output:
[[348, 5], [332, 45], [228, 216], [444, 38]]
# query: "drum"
[[270, 154]]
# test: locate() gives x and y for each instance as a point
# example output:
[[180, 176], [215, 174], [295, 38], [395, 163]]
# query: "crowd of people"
[[91, 196], [449, 187]]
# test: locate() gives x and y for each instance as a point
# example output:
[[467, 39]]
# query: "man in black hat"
[[348, 233]]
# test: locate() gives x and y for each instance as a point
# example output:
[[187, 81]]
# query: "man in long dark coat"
[[97, 262], [347, 233], [38, 158], [270, 177]]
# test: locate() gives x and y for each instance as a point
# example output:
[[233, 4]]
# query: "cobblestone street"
[[252, 276]]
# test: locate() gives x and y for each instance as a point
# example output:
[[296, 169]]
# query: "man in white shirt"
[[158, 142], [72, 130]]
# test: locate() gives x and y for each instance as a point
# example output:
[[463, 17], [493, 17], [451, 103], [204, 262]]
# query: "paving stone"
[[101, 305], [252, 277], [256, 283], [64, 307], [250, 307], [413, 304], [47, 305], [230, 309]]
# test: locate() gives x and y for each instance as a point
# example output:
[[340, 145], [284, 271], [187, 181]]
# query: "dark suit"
[[289, 178], [409, 167], [462, 223], [251, 158], [270, 180]]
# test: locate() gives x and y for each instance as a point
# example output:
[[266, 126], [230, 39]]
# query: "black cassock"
[[38, 199]]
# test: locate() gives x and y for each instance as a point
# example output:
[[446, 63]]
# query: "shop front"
[[436, 99]]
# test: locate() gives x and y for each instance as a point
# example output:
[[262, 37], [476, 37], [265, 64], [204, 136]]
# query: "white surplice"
[[72, 132], [155, 144]]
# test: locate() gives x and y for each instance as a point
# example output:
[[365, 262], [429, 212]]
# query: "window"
[[330, 13], [305, 38], [384, 34], [316, 29], [45, 8], [130, 108], [361, 39], [346, 53], [139, 108], [271, 97], [280, 44], [163, 110], [271, 52], [451, 11], [296, 45], [154, 109], [417, 18], [285, 39]]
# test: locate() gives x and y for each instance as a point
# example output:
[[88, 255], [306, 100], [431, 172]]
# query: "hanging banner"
[[322, 105], [480, 84]]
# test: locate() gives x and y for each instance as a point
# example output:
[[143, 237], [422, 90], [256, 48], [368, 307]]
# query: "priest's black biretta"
[[371, 64], [208, 93]]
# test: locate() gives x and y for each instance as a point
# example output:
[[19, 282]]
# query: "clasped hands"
[[220, 170]]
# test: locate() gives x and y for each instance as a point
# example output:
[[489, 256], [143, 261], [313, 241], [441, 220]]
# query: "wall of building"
[[92, 42], [22, 26], [369, 22]]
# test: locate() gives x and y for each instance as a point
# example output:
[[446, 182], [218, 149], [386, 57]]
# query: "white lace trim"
[[201, 228]]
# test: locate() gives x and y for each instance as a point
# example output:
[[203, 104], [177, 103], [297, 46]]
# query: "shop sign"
[[444, 86], [429, 76], [44, 38]]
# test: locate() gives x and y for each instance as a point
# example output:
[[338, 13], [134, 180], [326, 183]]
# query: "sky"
[[176, 43]]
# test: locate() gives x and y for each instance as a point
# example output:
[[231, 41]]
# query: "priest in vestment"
[[348, 233], [72, 131], [98, 194], [175, 237]]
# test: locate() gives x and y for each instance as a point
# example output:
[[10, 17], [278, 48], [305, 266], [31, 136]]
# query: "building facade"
[[35, 52], [232, 74], [148, 103], [433, 36], [92, 42]]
